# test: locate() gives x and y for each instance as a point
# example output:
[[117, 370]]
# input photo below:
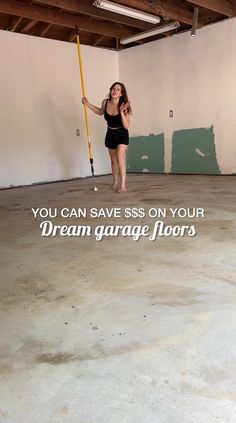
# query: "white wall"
[[195, 78], [41, 108], [40, 105]]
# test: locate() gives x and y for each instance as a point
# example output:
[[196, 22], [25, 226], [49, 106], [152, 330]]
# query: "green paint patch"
[[193, 151], [146, 154]]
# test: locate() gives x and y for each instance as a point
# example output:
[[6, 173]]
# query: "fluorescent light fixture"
[[194, 24], [146, 34], [127, 11]]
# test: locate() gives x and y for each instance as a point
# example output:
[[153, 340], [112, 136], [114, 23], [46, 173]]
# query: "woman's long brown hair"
[[124, 96]]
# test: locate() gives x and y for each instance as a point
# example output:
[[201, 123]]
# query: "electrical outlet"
[[77, 132], [171, 113]]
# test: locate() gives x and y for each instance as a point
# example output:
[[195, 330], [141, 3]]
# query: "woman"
[[116, 110]]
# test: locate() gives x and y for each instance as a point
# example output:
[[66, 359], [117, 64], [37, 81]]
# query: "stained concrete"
[[119, 331]]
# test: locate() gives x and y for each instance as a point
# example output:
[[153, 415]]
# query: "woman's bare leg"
[[115, 169], [121, 160]]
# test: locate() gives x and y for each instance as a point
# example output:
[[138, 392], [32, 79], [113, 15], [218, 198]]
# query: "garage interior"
[[118, 329]]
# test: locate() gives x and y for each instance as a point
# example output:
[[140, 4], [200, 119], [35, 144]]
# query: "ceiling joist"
[[56, 19], [97, 40], [166, 10], [220, 6], [14, 24], [62, 19], [45, 30], [29, 26], [83, 6]]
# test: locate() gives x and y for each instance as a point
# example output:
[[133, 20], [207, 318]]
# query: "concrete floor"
[[119, 331]]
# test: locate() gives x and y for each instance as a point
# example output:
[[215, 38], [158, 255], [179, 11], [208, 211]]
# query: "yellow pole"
[[85, 108]]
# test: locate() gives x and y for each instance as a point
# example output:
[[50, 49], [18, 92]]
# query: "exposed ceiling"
[[56, 19]]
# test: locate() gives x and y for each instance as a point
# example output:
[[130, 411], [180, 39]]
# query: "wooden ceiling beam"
[[166, 9], [14, 23], [97, 40], [83, 6], [29, 26], [44, 14], [72, 37], [117, 44], [45, 30], [223, 7]]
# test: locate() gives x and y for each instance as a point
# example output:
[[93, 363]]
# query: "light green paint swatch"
[[193, 151], [146, 154]]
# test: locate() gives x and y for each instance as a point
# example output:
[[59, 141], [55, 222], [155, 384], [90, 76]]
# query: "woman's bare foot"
[[122, 189], [116, 186]]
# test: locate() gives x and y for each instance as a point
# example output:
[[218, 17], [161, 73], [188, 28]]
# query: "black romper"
[[118, 135]]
